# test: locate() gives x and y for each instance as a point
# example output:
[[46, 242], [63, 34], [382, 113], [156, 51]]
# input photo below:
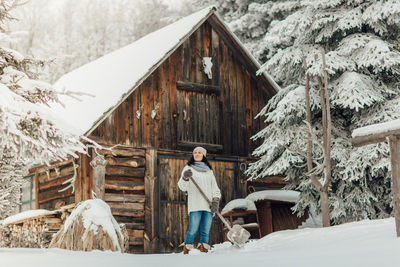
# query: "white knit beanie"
[[201, 149]]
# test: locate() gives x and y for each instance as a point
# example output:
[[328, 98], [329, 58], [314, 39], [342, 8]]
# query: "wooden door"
[[173, 216], [198, 118]]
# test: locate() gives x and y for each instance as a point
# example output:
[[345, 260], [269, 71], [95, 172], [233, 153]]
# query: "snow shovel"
[[237, 234]]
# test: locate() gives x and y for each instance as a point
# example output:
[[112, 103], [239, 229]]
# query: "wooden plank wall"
[[49, 182], [242, 97]]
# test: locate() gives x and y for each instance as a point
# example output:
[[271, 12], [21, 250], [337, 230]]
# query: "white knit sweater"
[[207, 182]]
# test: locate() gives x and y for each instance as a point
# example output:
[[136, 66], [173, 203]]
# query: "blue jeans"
[[200, 218]]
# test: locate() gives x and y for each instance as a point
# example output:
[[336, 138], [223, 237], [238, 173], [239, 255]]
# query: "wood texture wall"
[[242, 96], [49, 185]]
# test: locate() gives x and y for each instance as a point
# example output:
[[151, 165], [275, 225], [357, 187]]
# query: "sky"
[[365, 243]]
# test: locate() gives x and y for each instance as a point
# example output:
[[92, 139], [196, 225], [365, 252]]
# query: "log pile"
[[35, 232], [90, 227]]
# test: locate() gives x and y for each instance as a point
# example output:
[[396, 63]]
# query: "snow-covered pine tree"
[[250, 19], [361, 40], [28, 133]]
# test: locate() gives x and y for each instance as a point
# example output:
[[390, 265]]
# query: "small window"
[[28, 194]]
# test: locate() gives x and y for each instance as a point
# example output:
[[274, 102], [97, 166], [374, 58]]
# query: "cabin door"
[[198, 118], [173, 216]]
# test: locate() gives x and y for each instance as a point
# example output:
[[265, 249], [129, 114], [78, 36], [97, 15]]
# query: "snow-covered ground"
[[365, 243]]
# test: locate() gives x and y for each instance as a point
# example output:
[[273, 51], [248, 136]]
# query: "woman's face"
[[197, 155]]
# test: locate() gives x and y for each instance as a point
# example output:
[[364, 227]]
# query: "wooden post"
[[394, 158], [150, 235], [99, 173], [37, 189]]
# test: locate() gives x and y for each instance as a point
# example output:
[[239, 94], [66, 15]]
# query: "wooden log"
[[124, 171], [127, 162], [198, 87], [43, 177], [110, 197], [99, 167], [135, 233], [135, 241], [134, 225], [43, 169], [127, 206], [123, 152], [128, 213], [211, 147], [123, 185], [54, 183], [54, 195]]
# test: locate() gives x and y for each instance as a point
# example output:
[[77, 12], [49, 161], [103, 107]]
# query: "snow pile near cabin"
[[90, 226]]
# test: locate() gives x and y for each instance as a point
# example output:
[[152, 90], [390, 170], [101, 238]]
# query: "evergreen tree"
[[250, 19], [28, 132], [361, 39]]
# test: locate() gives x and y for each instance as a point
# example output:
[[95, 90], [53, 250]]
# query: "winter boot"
[[187, 248], [203, 247]]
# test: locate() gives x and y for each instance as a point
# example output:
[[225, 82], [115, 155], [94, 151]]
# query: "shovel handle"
[[209, 202]]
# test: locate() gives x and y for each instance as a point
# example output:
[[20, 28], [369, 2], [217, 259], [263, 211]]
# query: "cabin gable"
[[178, 106]]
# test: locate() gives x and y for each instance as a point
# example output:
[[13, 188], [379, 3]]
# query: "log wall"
[[49, 185], [125, 192], [182, 97]]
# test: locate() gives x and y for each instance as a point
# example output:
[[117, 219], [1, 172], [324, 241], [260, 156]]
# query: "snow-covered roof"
[[29, 214], [108, 80], [279, 195], [239, 204]]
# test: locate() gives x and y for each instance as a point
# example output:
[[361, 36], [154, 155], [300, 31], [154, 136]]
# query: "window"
[[28, 194]]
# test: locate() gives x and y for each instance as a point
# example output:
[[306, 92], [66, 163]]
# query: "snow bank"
[[366, 243], [279, 195], [239, 204], [26, 215], [377, 128]]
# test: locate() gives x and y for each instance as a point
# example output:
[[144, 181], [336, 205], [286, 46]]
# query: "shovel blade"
[[238, 235]]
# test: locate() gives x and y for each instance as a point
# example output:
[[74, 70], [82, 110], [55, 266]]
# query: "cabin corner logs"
[[123, 187]]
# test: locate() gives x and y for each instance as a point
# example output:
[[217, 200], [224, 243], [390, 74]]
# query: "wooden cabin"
[[157, 99]]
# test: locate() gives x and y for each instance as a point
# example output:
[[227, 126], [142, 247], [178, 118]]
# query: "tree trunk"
[[325, 209]]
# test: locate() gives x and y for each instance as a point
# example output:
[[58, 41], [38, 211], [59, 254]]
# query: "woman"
[[200, 212]]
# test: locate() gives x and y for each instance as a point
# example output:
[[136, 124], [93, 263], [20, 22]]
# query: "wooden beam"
[[373, 138], [36, 189], [211, 147], [198, 87], [150, 201], [110, 197], [395, 163], [124, 171], [127, 162], [123, 185]]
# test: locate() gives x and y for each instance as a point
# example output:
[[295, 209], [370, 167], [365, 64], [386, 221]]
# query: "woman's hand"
[[187, 174], [214, 204]]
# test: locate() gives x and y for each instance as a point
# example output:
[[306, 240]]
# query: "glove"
[[187, 174], [214, 204]]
